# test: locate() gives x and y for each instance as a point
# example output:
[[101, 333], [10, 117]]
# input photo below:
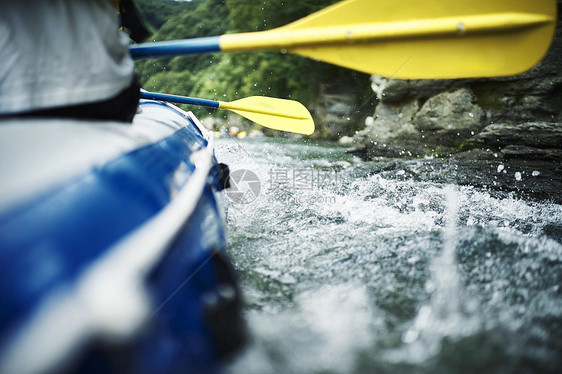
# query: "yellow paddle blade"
[[418, 39], [277, 114]]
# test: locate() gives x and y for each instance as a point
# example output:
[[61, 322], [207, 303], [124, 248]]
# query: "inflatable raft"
[[112, 247]]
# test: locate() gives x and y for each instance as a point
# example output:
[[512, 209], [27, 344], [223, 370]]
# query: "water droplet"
[[518, 176], [500, 167], [410, 336], [536, 173], [414, 259]]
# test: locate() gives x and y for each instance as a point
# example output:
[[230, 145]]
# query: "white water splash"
[[331, 327], [332, 287], [450, 313]]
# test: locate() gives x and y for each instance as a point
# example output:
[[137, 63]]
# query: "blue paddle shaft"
[[179, 99], [175, 47]]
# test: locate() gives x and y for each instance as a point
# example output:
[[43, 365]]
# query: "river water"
[[348, 270]]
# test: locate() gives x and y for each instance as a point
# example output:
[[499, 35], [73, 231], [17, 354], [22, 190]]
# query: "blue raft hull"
[[116, 263]]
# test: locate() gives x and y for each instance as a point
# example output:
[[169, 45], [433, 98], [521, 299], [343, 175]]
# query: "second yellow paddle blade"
[[277, 114]]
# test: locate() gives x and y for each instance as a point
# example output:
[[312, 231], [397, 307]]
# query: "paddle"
[[408, 39], [278, 114]]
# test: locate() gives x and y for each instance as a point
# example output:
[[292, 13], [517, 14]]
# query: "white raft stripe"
[[36, 155], [109, 300]]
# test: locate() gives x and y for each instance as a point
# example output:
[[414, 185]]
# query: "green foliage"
[[258, 16], [156, 12], [235, 75], [173, 83], [205, 19]]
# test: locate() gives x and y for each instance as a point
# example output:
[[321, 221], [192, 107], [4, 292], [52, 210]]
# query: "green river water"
[[346, 270]]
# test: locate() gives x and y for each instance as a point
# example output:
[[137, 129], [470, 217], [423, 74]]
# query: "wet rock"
[[538, 180], [450, 111], [392, 121], [395, 91], [521, 114], [532, 134], [530, 153], [337, 111], [521, 100], [389, 124], [341, 109], [479, 154], [411, 129], [417, 127]]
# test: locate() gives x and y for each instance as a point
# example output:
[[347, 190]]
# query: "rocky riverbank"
[[466, 124]]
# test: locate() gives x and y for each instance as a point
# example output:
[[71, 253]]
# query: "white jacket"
[[60, 52]]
